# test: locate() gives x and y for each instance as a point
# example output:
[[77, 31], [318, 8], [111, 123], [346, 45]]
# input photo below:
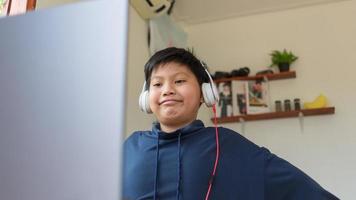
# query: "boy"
[[181, 159]]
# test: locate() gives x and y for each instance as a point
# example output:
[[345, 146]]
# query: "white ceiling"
[[198, 11]]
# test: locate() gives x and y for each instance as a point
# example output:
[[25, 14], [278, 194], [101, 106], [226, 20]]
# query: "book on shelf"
[[239, 93], [258, 97], [250, 97], [224, 107]]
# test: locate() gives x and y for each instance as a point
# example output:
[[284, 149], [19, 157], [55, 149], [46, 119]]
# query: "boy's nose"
[[168, 90]]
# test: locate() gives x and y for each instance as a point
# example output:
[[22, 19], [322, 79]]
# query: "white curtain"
[[164, 32]]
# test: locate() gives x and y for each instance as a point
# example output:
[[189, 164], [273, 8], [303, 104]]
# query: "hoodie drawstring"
[[179, 166], [156, 169]]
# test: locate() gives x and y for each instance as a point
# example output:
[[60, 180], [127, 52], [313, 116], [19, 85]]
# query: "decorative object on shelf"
[[297, 104], [287, 105], [224, 106], [257, 98], [221, 74], [264, 72], [243, 71], [250, 97], [282, 59], [239, 97], [278, 106], [319, 102]]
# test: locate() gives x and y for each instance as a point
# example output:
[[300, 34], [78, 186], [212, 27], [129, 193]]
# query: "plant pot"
[[283, 67]]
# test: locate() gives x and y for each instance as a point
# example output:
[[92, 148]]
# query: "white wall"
[[324, 39], [138, 55]]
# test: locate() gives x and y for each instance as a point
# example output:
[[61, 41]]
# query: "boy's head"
[[174, 79]]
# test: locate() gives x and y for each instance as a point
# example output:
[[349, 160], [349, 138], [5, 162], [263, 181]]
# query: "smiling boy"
[[176, 159]]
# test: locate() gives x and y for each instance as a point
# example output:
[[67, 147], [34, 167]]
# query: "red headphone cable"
[[217, 154]]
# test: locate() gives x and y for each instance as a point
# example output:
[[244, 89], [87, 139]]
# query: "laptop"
[[62, 102]]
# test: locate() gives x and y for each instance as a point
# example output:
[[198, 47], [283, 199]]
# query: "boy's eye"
[[157, 84], [180, 81]]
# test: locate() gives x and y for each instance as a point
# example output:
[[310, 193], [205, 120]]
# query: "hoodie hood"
[[185, 131]]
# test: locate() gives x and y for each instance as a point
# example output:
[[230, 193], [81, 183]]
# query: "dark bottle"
[[287, 106], [278, 105], [297, 104]]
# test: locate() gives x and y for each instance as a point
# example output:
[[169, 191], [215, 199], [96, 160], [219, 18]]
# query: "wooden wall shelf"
[[276, 76], [277, 115]]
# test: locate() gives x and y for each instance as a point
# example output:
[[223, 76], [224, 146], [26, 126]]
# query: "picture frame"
[[239, 95], [224, 107]]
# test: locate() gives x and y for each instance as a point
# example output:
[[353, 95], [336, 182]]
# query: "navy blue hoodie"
[[178, 165]]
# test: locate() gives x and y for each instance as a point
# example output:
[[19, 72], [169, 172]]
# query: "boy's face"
[[175, 95]]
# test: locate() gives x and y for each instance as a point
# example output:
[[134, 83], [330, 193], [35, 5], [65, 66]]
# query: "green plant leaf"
[[284, 56]]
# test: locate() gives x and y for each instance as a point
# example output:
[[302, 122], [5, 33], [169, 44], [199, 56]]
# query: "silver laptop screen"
[[62, 100]]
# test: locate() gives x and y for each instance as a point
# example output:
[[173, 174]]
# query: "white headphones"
[[209, 90]]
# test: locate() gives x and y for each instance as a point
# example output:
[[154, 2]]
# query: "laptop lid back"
[[62, 102]]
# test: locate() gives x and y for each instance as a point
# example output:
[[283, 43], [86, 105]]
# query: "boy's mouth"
[[169, 101]]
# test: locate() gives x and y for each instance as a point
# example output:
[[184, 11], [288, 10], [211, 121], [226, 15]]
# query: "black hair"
[[179, 56]]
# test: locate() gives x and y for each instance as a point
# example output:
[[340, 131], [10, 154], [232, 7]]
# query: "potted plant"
[[282, 59]]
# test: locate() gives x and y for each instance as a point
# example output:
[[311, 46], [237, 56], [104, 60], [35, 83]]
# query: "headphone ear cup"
[[210, 94], [144, 102], [215, 92]]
